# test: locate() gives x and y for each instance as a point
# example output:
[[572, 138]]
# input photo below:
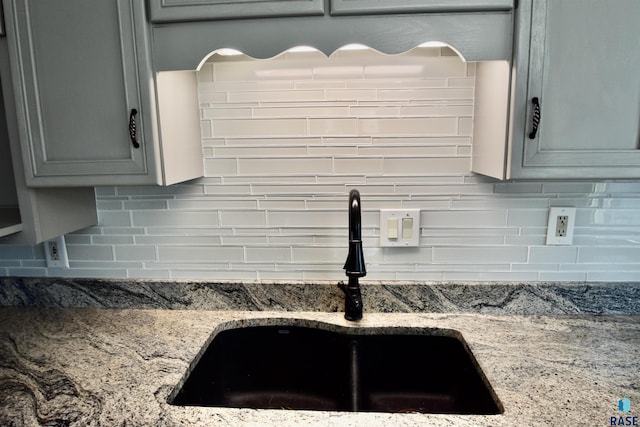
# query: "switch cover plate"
[[405, 236]]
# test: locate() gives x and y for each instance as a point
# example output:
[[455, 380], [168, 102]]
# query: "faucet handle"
[[353, 305]]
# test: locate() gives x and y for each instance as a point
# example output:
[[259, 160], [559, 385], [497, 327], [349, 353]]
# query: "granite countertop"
[[96, 366]]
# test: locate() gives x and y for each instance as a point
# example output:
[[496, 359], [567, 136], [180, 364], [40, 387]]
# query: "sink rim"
[[356, 329]]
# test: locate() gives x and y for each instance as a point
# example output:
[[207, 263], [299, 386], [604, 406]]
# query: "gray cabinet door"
[[346, 7], [583, 68], [200, 10], [75, 73]]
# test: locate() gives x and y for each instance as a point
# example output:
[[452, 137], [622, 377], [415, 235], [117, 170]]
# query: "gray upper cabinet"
[[31, 215], [87, 100], [199, 10], [346, 7], [478, 30], [583, 73]]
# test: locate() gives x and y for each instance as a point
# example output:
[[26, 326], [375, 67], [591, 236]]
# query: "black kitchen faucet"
[[354, 266]]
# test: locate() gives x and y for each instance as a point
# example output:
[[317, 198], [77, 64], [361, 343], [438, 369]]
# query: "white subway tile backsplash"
[[338, 71], [427, 94], [396, 83], [285, 140], [627, 188], [462, 241], [17, 252], [399, 256], [357, 166], [609, 255], [243, 240], [585, 188], [220, 167], [527, 240], [243, 218], [480, 255], [188, 273], [201, 254], [403, 151], [258, 97], [227, 189], [619, 276], [114, 218], [238, 86], [490, 276], [422, 141], [465, 126], [402, 126], [426, 165], [90, 252], [528, 217], [174, 219], [125, 241], [186, 239], [284, 166], [278, 142], [328, 110], [308, 218], [362, 110], [305, 190], [321, 255], [419, 276], [463, 219], [333, 126], [353, 95], [135, 253], [128, 231], [448, 110], [319, 84], [258, 127], [553, 254], [329, 150], [227, 113], [268, 254], [145, 204], [449, 191], [109, 205], [267, 151]]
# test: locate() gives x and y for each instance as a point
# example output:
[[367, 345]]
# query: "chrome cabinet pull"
[[132, 128], [535, 117]]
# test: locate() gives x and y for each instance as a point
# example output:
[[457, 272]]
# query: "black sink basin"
[[294, 367]]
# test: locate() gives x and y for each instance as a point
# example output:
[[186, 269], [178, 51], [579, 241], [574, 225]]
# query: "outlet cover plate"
[[55, 251], [552, 237], [399, 214]]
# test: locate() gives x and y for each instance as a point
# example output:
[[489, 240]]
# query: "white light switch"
[[399, 227], [392, 232], [407, 228]]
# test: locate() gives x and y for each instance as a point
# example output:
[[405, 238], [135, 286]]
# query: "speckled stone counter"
[[116, 367], [379, 297], [99, 352]]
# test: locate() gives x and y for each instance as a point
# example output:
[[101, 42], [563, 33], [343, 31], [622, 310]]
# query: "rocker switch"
[[407, 228], [392, 228]]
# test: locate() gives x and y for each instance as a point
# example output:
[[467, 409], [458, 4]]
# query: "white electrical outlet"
[[55, 250], [399, 227], [560, 226]]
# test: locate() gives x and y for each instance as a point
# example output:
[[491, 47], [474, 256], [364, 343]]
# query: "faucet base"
[[352, 299]]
